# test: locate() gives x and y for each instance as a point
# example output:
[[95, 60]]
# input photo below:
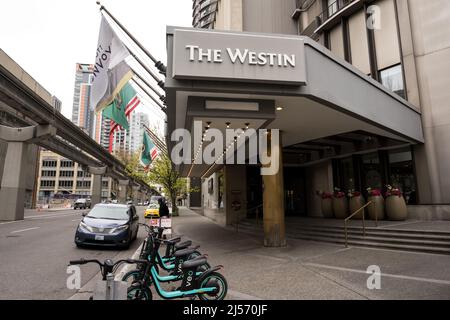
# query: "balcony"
[[336, 11]]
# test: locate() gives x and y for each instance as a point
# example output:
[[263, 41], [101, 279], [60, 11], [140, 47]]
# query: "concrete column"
[[15, 175], [12, 192], [273, 198], [97, 174], [135, 190], [122, 196]]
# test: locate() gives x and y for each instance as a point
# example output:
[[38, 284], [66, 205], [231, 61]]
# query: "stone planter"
[[327, 208], [340, 207], [356, 203], [396, 209], [376, 209]]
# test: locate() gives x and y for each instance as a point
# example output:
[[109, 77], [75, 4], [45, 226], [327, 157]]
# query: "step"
[[378, 229], [432, 243], [361, 241], [369, 244], [377, 233], [444, 234]]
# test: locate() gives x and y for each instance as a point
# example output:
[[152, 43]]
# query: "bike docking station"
[[113, 290], [166, 223]]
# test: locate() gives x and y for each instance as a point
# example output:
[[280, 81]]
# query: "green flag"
[[148, 151], [116, 111]]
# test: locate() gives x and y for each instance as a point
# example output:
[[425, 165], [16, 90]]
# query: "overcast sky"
[[48, 37]]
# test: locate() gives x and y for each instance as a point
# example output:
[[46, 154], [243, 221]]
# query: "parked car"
[[82, 204], [114, 225]]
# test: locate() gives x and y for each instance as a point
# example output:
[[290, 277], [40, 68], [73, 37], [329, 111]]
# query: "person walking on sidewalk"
[[163, 209]]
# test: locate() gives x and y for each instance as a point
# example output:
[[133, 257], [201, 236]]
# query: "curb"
[[127, 267]]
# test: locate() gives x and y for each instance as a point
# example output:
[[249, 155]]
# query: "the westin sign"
[[238, 57]]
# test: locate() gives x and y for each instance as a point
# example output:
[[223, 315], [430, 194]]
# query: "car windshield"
[[107, 212], [81, 200]]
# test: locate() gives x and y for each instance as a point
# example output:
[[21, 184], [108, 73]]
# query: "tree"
[[163, 173]]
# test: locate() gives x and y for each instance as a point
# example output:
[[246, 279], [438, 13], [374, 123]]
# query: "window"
[[66, 173], [65, 184], [84, 184], [66, 163], [49, 163], [401, 173], [371, 171], [332, 7], [47, 184], [392, 78], [48, 173]]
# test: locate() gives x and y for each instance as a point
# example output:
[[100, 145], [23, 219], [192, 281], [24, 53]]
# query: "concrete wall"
[[270, 16], [210, 201], [229, 15], [3, 146], [318, 178], [429, 51]]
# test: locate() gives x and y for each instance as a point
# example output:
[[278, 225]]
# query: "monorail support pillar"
[[12, 187]]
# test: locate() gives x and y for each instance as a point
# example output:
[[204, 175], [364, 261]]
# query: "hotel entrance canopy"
[[281, 82]]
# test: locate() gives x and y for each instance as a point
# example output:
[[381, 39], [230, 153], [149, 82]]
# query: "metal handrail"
[[363, 221], [248, 210]]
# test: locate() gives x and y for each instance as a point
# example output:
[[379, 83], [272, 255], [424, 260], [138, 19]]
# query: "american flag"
[[128, 110]]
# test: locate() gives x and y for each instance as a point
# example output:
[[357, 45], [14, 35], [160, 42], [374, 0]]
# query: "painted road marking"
[[23, 230], [395, 276], [44, 216], [9, 222]]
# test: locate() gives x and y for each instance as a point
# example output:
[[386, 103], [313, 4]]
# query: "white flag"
[[110, 52]]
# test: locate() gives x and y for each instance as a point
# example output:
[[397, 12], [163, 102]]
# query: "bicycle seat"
[[193, 263], [184, 252], [183, 244], [172, 241]]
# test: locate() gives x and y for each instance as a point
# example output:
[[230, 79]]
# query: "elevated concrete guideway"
[[28, 117]]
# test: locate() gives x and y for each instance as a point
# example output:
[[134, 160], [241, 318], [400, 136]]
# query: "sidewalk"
[[313, 270]]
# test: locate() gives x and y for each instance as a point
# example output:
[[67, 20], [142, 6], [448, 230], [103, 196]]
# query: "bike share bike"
[[186, 266], [107, 268]]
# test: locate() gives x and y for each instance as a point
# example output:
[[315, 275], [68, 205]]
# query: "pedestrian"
[[163, 209]]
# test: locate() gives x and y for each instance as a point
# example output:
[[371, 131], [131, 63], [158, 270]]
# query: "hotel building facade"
[[356, 87]]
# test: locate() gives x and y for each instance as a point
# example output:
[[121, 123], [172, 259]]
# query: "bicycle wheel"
[[139, 293], [218, 281], [132, 276]]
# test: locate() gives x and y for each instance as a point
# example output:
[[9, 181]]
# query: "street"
[[35, 252]]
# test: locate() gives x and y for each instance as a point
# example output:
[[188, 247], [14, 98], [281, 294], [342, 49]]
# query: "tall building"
[[356, 87], [130, 141], [82, 115], [137, 122]]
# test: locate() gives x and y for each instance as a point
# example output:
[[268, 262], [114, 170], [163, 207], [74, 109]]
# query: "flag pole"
[[161, 97], [155, 138], [158, 64], [148, 94], [154, 76]]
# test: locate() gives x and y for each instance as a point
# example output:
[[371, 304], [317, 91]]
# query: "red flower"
[[326, 195], [375, 193], [339, 195]]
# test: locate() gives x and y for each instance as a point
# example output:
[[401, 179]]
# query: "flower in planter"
[[338, 194], [353, 194], [392, 191], [324, 195], [374, 192]]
